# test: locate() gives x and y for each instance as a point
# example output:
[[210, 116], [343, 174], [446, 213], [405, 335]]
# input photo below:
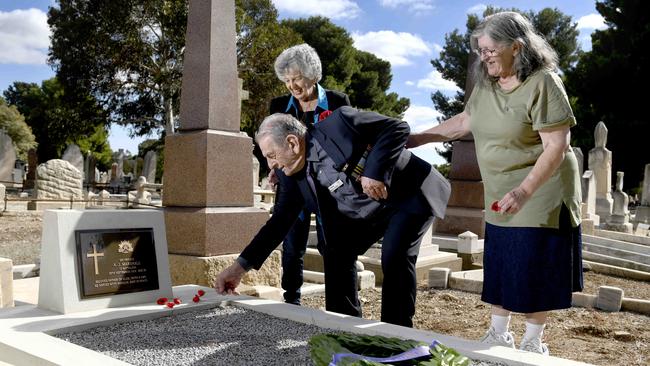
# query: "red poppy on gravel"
[[495, 206], [170, 305], [161, 301], [177, 300], [196, 298], [324, 115], [200, 292]]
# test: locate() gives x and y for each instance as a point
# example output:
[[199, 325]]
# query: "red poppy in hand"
[[495, 206], [196, 298], [324, 115], [161, 301], [201, 292], [170, 305], [177, 300]]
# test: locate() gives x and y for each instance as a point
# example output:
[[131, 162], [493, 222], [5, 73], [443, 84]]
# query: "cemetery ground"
[[586, 335]]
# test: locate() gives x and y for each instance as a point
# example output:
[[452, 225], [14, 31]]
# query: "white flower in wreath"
[[125, 247]]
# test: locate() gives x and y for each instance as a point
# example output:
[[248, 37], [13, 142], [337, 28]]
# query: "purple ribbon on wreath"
[[413, 353]]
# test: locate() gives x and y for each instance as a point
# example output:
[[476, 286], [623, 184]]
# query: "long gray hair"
[[279, 126], [302, 58], [505, 29]]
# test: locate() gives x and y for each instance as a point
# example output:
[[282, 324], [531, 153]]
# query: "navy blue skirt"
[[529, 269]]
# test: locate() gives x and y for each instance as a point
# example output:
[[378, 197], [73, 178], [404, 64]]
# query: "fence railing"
[[129, 204]]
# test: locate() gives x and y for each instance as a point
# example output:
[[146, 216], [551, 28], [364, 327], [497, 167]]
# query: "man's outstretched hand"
[[228, 280]]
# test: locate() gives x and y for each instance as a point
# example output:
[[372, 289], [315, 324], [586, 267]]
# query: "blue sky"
[[407, 33]]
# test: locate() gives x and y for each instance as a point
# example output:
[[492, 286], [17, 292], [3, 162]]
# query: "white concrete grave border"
[[59, 276], [25, 330]]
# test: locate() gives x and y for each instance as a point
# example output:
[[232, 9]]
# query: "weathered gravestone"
[[72, 154], [149, 166], [7, 158], [6, 283], [32, 163], [600, 162], [589, 218], [620, 218], [643, 211], [95, 259], [58, 180]]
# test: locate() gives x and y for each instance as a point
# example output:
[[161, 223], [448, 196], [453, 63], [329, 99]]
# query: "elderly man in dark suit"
[[356, 174]]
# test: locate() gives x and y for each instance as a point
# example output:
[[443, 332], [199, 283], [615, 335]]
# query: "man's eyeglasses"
[[486, 52]]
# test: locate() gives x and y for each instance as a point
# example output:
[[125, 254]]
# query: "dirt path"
[[580, 334]]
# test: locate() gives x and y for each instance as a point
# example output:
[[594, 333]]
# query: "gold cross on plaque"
[[94, 255]]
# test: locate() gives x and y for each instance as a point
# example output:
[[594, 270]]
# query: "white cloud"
[[419, 119], [333, 9], [409, 83], [591, 21], [477, 9], [414, 6], [24, 37], [393, 47], [434, 81]]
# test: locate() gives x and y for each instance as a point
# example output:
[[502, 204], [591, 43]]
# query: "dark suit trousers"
[[402, 232]]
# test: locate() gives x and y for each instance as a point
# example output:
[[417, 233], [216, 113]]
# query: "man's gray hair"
[[302, 58], [505, 29], [279, 126]]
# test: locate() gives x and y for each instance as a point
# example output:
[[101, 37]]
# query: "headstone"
[[600, 162], [103, 196], [96, 259], [118, 157], [589, 218], [135, 169], [140, 195], [439, 277], [115, 175], [620, 218], [6, 283], [89, 169], [643, 210], [72, 154], [609, 298], [208, 198], [7, 158], [642, 229], [256, 173], [645, 194], [149, 166], [19, 172], [3, 194], [580, 158], [32, 163], [57, 179]]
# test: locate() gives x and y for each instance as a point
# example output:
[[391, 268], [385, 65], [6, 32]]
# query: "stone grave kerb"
[[208, 195]]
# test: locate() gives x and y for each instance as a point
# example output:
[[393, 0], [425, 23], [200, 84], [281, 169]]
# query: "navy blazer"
[[345, 135]]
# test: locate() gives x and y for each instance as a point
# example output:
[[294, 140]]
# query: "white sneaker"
[[504, 339], [534, 345]]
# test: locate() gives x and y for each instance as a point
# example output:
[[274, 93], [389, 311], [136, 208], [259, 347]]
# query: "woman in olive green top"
[[520, 117]]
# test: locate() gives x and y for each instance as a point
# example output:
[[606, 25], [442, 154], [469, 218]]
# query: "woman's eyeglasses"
[[486, 52]]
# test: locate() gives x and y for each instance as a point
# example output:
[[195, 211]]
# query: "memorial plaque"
[[116, 261]]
